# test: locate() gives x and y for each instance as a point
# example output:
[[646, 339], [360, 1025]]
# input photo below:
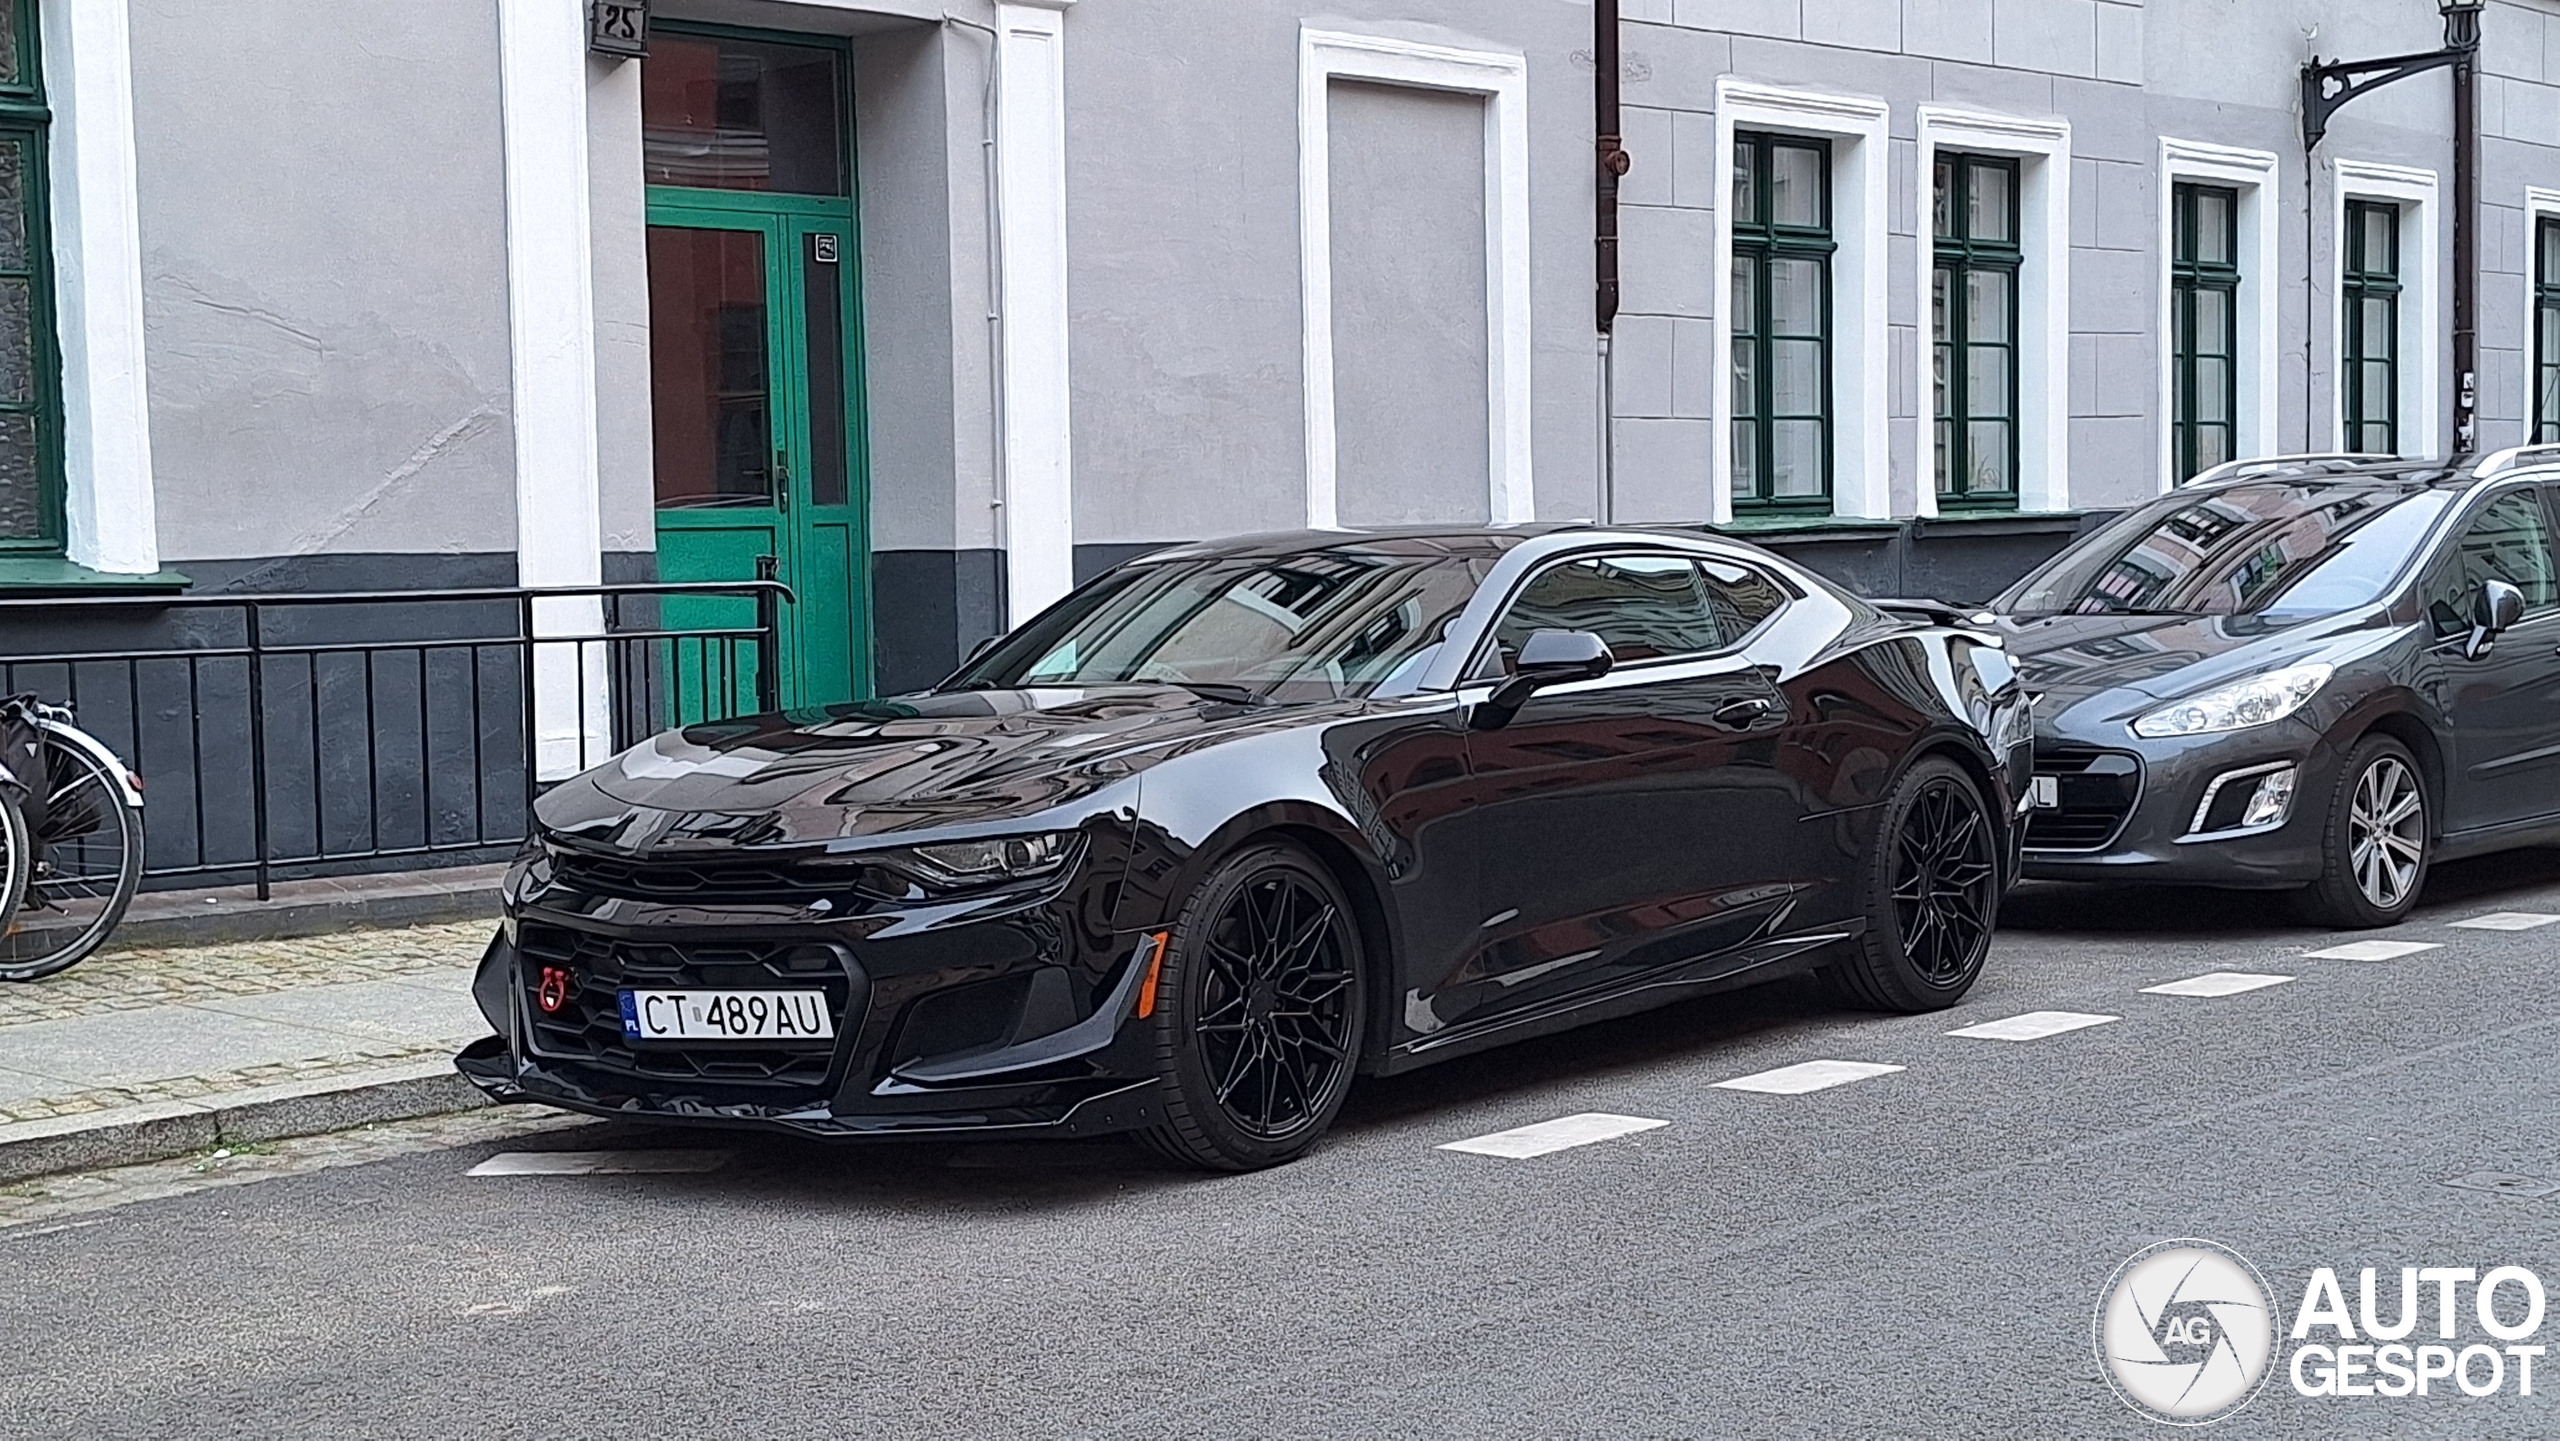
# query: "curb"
[[130, 1135], [183, 918]]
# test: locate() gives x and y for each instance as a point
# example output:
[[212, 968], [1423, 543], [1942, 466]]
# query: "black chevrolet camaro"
[[1237, 821]]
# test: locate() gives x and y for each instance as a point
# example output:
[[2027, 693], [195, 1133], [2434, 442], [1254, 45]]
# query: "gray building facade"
[[946, 306]]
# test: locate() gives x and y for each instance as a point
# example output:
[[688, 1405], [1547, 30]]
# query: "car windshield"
[[1312, 625], [2284, 549]]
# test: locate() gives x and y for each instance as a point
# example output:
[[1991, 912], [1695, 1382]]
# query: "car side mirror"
[[1547, 657], [2495, 608]]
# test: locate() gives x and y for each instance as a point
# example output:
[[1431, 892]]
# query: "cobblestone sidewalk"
[[134, 1027]]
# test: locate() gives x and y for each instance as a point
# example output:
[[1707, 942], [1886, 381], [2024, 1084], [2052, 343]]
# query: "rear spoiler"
[[1935, 612]]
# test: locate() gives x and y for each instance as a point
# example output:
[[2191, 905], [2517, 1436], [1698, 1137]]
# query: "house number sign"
[[618, 27]]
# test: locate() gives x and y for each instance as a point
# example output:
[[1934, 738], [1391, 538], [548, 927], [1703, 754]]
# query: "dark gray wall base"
[[1092, 560], [928, 608], [630, 567], [1952, 558], [371, 570]]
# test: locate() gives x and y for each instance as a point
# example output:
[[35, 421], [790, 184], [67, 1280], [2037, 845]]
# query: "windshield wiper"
[[1220, 690]]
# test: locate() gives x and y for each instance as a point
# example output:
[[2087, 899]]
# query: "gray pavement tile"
[[160, 1042], [388, 1010]]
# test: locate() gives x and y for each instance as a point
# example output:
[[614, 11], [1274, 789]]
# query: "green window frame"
[[31, 484], [2546, 331], [1781, 323], [2369, 342], [1973, 306], [2204, 327]]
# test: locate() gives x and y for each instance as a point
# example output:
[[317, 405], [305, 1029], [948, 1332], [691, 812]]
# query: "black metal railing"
[[283, 736]]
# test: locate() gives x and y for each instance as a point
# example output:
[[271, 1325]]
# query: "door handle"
[[1743, 712], [782, 479]]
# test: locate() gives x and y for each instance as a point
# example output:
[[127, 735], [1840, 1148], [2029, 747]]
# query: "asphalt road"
[[1916, 1254]]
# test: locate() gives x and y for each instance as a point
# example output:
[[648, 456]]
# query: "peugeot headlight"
[[2252, 702], [955, 864]]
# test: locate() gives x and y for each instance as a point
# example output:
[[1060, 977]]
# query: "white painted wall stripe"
[[1031, 191], [2217, 983], [1563, 1133], [1324, 55], [111, 512], [2034, 1026], [1805, 1076]]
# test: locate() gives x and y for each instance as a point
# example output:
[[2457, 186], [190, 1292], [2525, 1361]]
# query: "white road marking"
[[599, 1163], [1521, 1142], [2506, 921], [2216, 983], [2034, 1026], [2374, 950], [1806, 1076]]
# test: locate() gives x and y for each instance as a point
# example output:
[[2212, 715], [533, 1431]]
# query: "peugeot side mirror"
[[1547, 657], [2495, 608]]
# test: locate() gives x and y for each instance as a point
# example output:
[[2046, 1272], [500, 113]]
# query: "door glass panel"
[[12, 69], [724, 114], [822, 270], [709, 374], [21, 510], [1644, 606]]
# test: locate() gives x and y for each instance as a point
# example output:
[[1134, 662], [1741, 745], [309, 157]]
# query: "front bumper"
[[1011, 1018], [2134, 810]]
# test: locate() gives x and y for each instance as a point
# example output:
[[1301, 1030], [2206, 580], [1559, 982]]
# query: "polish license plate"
[[726, 1016], [2046, 793]]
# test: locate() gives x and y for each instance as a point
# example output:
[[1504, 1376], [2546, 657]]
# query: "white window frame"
[[1503, 80], [2255, 174], [1861, 429], [109, 505], [2044, 295], [2540, 204], [2419, 400], [1039, 509]]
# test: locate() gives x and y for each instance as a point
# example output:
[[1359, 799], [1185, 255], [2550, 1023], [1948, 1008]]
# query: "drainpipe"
[[2462, 35], [1613, 162]]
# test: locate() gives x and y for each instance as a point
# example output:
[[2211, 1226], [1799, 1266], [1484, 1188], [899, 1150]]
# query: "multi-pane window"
[[2369, 362], [2204, 295], [2546, 331], [1781, 322], [30, 374], [1974, 325]]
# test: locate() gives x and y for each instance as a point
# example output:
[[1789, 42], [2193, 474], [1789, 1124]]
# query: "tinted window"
[[2272, 548], [1739, 598], [2505, 541], [1644, 606], [1318, 623]]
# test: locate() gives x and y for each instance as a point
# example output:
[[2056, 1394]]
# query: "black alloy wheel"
[[1258, 1013], [1933, 895], [2374, 842]]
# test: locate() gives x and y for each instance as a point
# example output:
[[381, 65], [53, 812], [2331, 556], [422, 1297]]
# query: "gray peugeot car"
[[2310, 673]]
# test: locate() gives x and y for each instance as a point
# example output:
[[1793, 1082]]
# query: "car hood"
[[906, 764], [2124, 662]]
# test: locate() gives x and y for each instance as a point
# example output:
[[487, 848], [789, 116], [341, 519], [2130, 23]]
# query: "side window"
[[1644, 606], [1739, 598], [2506, 541]]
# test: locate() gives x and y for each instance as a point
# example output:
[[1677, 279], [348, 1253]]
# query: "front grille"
[[2097, 790], [742, 881], [588, 1027]]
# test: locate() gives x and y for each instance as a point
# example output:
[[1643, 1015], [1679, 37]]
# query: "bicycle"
[[81, 846]]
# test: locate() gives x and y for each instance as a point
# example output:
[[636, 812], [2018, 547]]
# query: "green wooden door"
[[754, 362]]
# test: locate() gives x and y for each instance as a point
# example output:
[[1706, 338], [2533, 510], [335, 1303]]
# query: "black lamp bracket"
[[2326, 87]]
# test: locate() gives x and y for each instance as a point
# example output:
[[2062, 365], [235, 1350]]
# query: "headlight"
[[977, 863], [2253, 702]]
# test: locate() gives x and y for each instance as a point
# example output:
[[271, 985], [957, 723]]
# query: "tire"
[[1933, 889], [1258, 1013], [2374, 840], [15, 864], [87, 865]]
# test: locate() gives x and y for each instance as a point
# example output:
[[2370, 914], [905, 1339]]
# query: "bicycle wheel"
[[15, 860], [87, 862]]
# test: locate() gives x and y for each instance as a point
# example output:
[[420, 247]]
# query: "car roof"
[[2379, 472], [1483, 541]]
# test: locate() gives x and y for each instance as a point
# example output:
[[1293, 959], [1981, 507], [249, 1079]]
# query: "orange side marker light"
[[1157, 942]]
